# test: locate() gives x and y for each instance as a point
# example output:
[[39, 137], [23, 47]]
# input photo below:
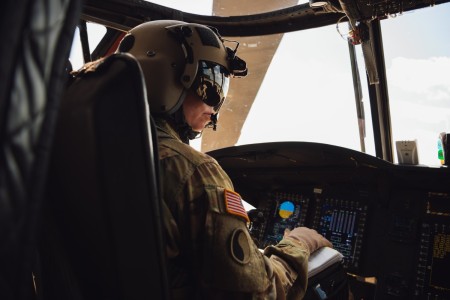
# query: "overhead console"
[[391, 222]]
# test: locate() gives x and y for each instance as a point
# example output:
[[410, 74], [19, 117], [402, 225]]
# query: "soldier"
[[211, 255]]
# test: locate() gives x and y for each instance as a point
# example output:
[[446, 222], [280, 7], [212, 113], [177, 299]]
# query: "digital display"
[[342, 223], [441, 261], [434, 261], [284, 211], [437, 204]]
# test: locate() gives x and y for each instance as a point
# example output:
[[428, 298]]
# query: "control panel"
[[279, 212], [434, 251], [342, 222], [390, 222]]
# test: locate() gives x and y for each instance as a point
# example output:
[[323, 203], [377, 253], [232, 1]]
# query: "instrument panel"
[[391, 222]]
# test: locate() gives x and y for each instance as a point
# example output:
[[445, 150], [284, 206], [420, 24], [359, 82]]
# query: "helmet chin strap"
[[178, 122], [214, 118], [213, 122], [185, 131]]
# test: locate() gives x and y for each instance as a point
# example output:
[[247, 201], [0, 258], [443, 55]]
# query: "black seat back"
[[36, 39], [102, 235]]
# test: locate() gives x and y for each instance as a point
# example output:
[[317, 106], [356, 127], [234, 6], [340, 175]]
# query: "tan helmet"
[[176, 56]]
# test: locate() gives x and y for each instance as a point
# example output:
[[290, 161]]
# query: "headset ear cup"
[[127, 43]]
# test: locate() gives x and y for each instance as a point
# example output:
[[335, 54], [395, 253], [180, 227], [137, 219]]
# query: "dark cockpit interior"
[[390, 222]]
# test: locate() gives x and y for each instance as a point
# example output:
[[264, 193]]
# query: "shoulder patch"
[[240, 246], [233, 204]]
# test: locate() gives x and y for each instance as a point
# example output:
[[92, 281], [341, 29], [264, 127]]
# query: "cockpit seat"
[[102, 236]]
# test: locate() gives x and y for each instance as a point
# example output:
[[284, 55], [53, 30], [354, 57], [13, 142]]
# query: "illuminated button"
[[286, 209]]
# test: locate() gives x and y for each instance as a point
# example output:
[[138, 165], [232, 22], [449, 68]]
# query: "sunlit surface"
[[223, 7], [95, 34], [307, 93], [417, 54]]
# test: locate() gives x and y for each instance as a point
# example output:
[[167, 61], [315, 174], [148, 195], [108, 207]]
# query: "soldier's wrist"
[[294, 252]]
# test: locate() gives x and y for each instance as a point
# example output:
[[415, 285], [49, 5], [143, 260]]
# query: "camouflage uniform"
[[211, 254]]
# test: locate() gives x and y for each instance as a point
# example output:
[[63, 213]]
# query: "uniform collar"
[[165, 130]]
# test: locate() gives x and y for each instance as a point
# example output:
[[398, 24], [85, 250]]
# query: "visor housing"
[[212, 83]]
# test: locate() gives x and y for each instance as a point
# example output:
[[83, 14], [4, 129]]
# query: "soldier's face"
[[196, 112]]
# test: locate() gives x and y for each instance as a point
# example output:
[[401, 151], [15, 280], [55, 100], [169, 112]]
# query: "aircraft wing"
[[243, 91]]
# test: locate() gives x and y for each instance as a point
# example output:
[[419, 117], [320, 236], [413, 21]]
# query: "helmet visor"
[[212, 83]]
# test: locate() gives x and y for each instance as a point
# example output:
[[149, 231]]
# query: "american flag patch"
[[233, 204]]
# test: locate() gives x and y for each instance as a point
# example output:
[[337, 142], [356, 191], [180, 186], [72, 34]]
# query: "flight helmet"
[[176, 56]]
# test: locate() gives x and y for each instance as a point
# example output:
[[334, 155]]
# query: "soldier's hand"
[[309, 237]]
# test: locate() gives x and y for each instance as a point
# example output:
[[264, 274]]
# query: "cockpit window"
[[307, 94], [300, 85], [417, 57], [225, 8], [95, 34]]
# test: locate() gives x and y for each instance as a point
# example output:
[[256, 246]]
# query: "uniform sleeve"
[[232, 263], [213, 235], [290, 263]]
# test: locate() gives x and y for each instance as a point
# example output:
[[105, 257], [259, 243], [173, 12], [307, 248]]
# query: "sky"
[[417, 54], [418, 71], [307, 93]]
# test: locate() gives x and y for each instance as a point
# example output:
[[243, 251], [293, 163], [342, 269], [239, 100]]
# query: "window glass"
[[307, 93], [95, 34], [199, 7], [417, 54], [227, 8]]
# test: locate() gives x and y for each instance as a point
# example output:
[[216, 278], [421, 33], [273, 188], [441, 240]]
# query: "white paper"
[[322, 259]]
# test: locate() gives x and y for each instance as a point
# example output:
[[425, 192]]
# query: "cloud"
[[421, 80]]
